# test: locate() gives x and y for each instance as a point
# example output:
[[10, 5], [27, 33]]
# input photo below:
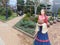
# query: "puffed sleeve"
[[39, 17], [46, 20], [40, 20], [47, 17]]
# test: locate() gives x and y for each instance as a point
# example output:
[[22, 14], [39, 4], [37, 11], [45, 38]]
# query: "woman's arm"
[[48, 24], [36, 30], [39, 23]]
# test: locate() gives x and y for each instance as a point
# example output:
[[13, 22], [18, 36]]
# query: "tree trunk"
[[4, 2], [35, 10]]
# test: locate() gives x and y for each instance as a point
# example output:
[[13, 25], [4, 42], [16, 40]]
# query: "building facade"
[[56, 5]]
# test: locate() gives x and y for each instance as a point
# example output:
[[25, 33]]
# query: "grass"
[[13, 16], [3, 18]]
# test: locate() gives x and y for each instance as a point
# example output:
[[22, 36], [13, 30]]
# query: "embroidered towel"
[[44, 28]]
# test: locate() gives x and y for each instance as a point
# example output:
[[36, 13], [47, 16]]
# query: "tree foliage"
[[21, 2]]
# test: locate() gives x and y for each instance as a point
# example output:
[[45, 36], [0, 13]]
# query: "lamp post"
[[6, 10]]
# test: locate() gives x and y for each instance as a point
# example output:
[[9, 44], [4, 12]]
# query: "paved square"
[[11, 36]]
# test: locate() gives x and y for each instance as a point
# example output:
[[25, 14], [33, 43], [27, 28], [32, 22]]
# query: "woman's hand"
[[48, 24], [40, 21], [36, 30], [35, 34]]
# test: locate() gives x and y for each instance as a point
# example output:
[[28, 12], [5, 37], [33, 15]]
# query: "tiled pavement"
[[11, 36], [54, 34], [1, 41]]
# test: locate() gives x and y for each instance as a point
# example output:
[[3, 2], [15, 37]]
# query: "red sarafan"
[[44, 18], [42, 37]]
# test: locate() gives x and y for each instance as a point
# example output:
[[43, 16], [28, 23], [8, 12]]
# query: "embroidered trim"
[[41, 40]]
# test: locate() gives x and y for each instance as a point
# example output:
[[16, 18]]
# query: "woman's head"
[[42, 12]]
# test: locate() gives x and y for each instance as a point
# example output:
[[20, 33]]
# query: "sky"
[[13, 2], [51, 0]]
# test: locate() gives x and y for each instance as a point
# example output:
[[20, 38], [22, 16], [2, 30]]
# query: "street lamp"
[[6, 10]]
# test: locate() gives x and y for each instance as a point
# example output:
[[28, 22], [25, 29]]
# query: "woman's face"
[[42, 12]]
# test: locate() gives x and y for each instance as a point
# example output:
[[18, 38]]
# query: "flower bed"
[[27, 24]]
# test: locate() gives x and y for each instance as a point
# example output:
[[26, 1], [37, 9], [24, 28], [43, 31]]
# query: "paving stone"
[[11, 36]]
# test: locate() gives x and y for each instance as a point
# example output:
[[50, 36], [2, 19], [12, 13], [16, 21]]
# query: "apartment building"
[[56, 5]]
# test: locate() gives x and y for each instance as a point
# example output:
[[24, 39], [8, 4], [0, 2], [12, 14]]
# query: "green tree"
[[30, 6], [29, 2], [20, 4], [36, 4], [40, 7], [4, 2]]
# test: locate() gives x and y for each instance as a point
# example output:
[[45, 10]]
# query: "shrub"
[[51, 19], [29, 9], [59, 12], [34, 19], [27, 24], [9, 12], [3, 11], [28, 15], [25, 18], [31, 24]]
